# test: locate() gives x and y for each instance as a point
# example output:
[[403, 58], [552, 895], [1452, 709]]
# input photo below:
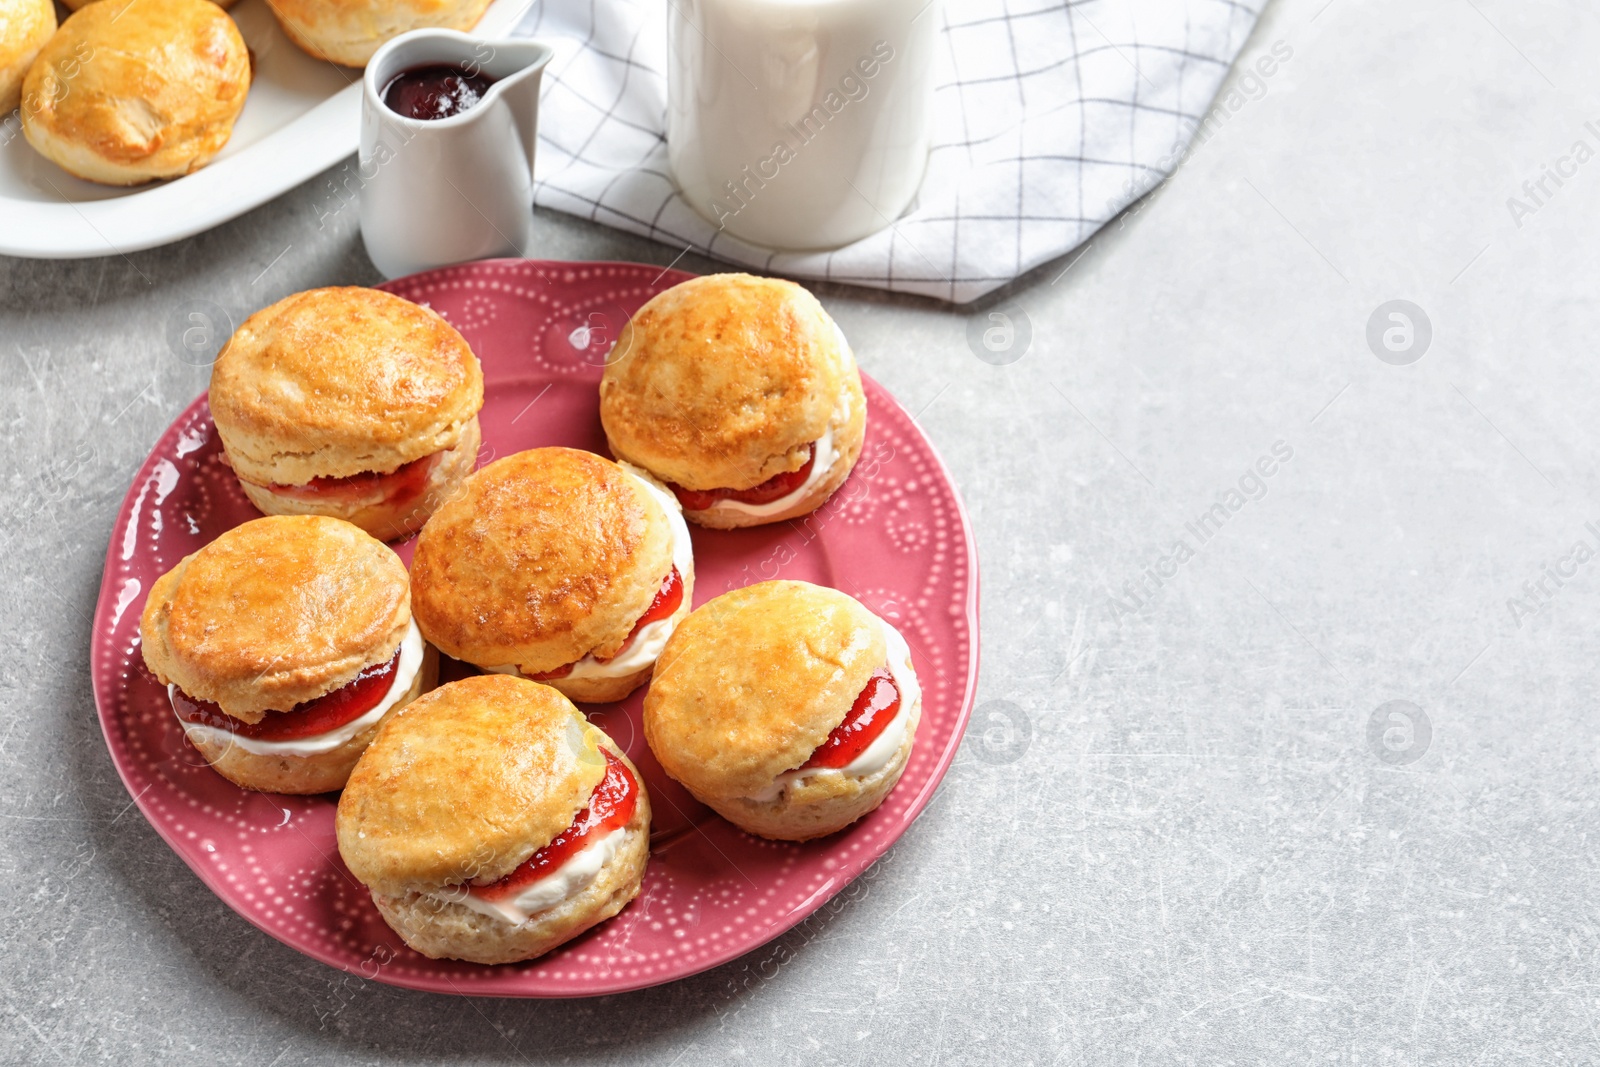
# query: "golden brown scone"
[[546, 559], [274, 613], [344, 383], [726, 381], [464, 786], [25, 26], [753, 683], [755, 680], [320, 772], [127, 100], [269, 616], [350, 31], [335, 382]]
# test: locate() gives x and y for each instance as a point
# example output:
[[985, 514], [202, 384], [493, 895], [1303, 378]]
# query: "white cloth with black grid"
[[1050, 118]]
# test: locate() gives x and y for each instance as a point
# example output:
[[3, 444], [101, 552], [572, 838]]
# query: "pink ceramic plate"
[[895, 537]]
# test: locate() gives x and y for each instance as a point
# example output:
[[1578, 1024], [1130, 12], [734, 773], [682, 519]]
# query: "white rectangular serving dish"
[[302, 116]]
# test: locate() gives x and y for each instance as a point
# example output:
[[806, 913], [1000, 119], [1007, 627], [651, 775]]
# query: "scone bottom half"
[[788, 708], [492, 822], [389, 505], [290, 757]]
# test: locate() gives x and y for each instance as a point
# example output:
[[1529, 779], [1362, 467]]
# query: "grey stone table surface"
[[1207, 834]]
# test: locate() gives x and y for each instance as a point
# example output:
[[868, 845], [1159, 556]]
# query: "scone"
[[25, 26], [740, 393], [351, 403], [283, 645], [492, 823], [350, 31], [557, 565], [787, 708], [127, 100]]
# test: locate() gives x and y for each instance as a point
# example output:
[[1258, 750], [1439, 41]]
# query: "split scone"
[[122, 101], [788, 708], [283, 645], [559, 566], [741, 394], [25, 26], [350, 31], [351, 403], [492, 822]]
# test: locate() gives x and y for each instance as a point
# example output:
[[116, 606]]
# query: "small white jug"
[[448, 190]]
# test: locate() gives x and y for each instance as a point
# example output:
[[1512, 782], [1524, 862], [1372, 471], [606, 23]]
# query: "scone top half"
[[332, 383], [274, 613], [543, 558], [464, 784], [726, 381], [754, 682]]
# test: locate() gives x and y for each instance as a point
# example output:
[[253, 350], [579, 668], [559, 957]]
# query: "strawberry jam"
[[403, 484], [668, 599], [329, 712], [435, 92], [550, 676], [610, 806], [774, 488], [873, 710]]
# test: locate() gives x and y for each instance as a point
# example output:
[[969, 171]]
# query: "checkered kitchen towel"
[[1050, 118]]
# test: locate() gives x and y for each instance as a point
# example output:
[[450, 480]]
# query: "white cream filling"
[[822, 462], [646, 646], [883, 748], [557, 887], [405, 673]]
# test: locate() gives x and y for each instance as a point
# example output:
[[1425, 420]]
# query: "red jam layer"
[[668, 599], [345, 704], [873, 710], [610, 806], [774, 488], [401, 485]]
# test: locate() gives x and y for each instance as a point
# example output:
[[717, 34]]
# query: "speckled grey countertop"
[[1203, 834]]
